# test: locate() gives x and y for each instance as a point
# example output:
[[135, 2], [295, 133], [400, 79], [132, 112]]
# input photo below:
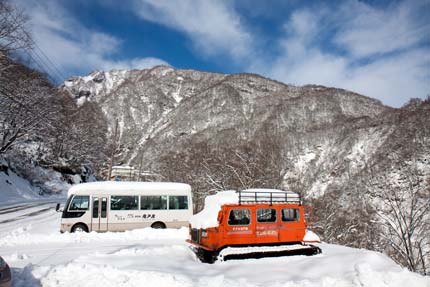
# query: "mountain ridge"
[[123, 82]]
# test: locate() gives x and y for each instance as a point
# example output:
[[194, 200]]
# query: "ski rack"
[[252, 197]]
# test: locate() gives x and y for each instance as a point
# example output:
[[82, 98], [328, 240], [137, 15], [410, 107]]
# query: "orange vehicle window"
[[290, 214], [239, 217], [266, 215]]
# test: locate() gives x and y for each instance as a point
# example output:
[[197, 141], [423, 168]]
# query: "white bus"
[[119, 206]]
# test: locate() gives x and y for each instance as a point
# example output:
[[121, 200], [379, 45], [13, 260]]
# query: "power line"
[[49, 67], [35, 58], [42, 60], [55, 68]]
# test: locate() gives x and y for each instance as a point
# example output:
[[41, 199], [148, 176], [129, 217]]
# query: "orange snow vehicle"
[[253, 223]]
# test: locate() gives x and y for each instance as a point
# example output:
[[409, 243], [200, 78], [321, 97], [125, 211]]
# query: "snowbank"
[[41, 256], [15, 189], [311, 237], [21, 236], [208, 217], [175, 265]]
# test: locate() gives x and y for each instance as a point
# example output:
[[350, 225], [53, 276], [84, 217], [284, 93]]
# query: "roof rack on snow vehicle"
[[270, 196]]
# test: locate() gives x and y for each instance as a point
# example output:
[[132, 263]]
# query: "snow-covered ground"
[[41, 256], [16, 190]]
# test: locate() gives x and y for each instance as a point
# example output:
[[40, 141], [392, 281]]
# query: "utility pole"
[[113, 149]]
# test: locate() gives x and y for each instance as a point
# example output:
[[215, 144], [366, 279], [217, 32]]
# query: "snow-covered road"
[[41, 256]]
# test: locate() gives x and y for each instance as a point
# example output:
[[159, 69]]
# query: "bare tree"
[[23, 93], [113, 150], [25, 106], [79, 136], [31, 109], [13, 32], [346, 217], [405, 215], [212, 168]]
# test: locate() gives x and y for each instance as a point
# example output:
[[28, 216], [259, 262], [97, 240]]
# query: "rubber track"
[[313, 250], [210, 257]]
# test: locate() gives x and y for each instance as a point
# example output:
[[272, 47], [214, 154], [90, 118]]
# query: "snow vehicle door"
[[238, 226], [267, 225], [292, 227]]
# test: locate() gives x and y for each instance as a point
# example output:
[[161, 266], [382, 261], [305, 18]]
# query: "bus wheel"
[[158, 225], [79, 228]]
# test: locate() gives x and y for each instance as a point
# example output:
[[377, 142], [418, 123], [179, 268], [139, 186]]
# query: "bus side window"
[[153, 202], [124, 202], [178, 202]]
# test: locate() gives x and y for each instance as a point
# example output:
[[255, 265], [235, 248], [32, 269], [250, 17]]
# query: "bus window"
[[290, 214], [266, 215], [153, 202], [178, 202], [124, 202], [79, 203]]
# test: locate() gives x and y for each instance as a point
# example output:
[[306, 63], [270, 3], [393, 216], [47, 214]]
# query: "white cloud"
[[102, 43], [213, 26], [72, 47], [385, 62], [393, 80], [378, 52], [369, 31]]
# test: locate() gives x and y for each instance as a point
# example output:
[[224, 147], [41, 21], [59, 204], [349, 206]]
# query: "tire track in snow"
[[16, 208], [25, 215]]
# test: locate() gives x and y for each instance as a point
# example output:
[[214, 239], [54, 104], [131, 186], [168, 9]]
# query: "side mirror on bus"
[[57, 207]]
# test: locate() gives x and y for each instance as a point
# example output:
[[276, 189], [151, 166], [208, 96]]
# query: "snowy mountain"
[[141, 100], [329, 136], [164, 104], [352, 158]]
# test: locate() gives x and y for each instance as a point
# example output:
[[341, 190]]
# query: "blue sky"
[[377, 48]]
